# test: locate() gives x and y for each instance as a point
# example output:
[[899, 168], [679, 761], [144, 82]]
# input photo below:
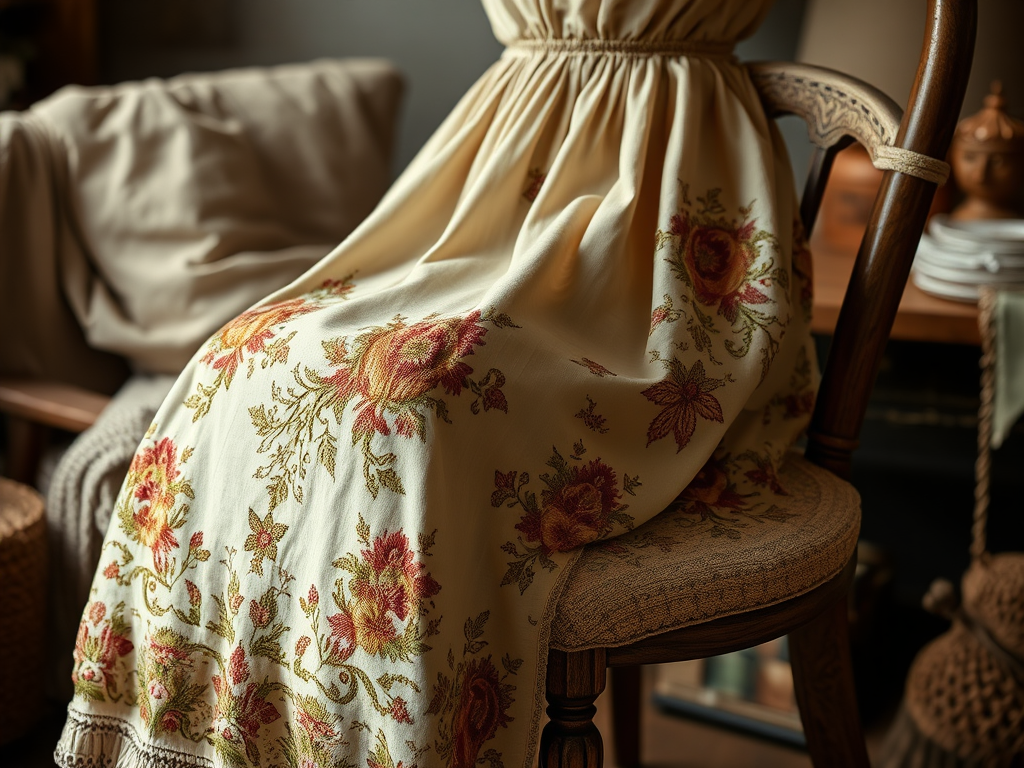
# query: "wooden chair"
[[632, 603]]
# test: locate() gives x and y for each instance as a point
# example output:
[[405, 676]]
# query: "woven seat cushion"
[[726, 547]]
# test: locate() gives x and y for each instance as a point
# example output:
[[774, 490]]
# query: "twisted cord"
[[887, 158], [983, 465]]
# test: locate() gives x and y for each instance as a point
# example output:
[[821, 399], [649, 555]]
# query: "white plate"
[[976, 258], [1000, 236], [972, 276], [945, 290]]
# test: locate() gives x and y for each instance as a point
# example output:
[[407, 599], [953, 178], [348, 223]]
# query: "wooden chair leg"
[[26, 441], [825, 693], [574, 681], [626, 690]]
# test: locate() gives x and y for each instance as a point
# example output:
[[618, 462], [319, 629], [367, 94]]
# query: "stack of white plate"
[[956, 258]]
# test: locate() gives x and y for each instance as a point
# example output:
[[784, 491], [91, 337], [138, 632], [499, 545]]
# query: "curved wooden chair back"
[[839, 109]]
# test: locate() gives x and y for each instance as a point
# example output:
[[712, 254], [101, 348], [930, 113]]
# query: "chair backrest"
[[839, 109]]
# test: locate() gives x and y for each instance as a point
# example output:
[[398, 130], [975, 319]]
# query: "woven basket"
[[22, 608]]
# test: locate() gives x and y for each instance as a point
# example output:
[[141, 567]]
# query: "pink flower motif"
[[399, 711], [157, 690]]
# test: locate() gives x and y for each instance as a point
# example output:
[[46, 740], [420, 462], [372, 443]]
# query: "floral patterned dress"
[[342, 540]]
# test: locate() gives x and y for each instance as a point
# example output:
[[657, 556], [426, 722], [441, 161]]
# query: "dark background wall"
[[442, 46]]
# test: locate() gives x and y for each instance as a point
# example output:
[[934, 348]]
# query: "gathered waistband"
[[582, 46]]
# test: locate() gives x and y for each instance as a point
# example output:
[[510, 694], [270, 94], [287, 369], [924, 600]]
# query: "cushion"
[[727, 546], [196, 196]]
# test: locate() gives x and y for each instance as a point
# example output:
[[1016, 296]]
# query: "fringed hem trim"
[[100, 741]]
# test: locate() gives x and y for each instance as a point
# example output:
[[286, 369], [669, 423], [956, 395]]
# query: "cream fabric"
[[698, 562], [148, 214], [79, 501], [1008, 367], [344, 538]]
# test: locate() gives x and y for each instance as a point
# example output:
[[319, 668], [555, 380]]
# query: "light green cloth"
[[1008, 322]]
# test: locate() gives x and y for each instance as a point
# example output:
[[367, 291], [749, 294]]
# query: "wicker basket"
[[22, 608]]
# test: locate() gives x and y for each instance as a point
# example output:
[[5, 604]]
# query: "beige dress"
[[342, 540]]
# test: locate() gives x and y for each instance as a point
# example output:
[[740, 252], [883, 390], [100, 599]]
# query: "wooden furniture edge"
[[51, 403], [737, 631]]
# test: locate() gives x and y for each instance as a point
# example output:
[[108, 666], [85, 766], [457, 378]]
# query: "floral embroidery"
[[389, 371], [473, 703], [316, 740], [146, 511], [595, 368], [593, 420], [254, 332], [764, 474], [262, 542], [169, 700], [686, 395], [719, 260], [381, 608], [712, 499], [242, 709], [535, 181], [580, 504], [100, 647], [665, 313]]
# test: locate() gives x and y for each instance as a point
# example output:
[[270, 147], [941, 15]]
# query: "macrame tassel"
[[964, 701]]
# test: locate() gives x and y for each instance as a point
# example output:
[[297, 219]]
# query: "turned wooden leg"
[[626, 686], [574, 681], [823, 677]]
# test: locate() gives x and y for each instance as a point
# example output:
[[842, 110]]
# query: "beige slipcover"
[[344, 538], [136, 219]]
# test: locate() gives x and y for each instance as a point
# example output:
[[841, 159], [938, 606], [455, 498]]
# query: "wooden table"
[[921, 317]]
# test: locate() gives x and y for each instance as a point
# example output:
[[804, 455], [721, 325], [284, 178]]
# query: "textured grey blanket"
[[79, 503]]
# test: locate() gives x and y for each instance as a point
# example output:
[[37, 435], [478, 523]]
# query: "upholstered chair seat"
[[694, 563]]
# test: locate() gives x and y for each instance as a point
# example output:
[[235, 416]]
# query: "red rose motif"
[[250, 332], [382, 599], [155, 472], [481, 710], [577, 513], [397, 364], [710, 488], [718, 260], [170, 721]]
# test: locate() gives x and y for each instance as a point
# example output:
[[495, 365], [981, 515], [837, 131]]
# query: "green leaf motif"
[[390, 480]]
